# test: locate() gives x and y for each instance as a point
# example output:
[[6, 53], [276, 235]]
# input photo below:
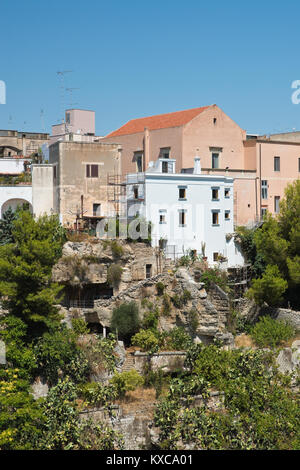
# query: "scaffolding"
[[116, 195], [239, 280]]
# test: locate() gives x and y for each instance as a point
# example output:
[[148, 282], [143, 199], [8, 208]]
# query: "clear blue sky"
[[136, 58]]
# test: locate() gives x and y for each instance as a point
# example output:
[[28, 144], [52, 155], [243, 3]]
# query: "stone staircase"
[[129, 363]]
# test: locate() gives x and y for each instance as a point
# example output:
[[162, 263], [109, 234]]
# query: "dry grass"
[[288, 344], [244, 341], [139, 401]]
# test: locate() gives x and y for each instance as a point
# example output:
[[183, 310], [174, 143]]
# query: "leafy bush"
[[179, 339], [214, 276], [151, 320], [114, 274], [146, 340], [271, 333], [57, 353], [125, 320], [20, 415], [269, 288], [260, 411], [79, 326], [160, 287], [126, 382]]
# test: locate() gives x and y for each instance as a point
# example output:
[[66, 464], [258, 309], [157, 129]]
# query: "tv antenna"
[[70, 90], [42, 120], [61, 74]]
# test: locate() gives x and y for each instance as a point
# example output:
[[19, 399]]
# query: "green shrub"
[[79, 326], [160, 287], [214, 276], [151, 320], [125, 320], [271, 333], [58, 353], [177, 301], [126, 382], [146, 340], [193, 320], [269, 288], [117, 249], [184, 260], [166, 308], [179, 339], [186, 296], [114, 274]]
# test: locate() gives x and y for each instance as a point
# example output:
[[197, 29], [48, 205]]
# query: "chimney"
[[197, 166]]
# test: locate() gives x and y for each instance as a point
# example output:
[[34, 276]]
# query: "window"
[[92, 171], [68, 118], [96, 209], [215, 120], [299, 164], [162, 218], [276, 204], [264, 189], [182, 193], [138, 158], [216, 256], [135, 192], [263, 212], [148, 271], [215, 217], [227, 192], [182, 218], [165, 167], [215, 194], [276, 163], [54, 172], [215, 160], [165, 152], [227, 215]]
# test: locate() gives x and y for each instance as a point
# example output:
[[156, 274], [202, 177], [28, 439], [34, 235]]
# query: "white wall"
[[162, 194], [12, 196], [12, 165], [42, 189]]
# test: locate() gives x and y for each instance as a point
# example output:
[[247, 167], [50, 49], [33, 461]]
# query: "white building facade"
[[188, 211]]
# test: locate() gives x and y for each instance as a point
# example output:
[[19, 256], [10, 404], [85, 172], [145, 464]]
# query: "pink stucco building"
[[224, 148]]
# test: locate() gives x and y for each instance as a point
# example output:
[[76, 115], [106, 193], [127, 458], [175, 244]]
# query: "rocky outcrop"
[[88, 262], [288, 359]]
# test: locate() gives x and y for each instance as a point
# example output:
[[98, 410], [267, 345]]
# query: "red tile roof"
[[160, 121]]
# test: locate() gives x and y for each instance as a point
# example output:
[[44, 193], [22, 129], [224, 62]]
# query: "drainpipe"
[[260, 181], [146, 148]]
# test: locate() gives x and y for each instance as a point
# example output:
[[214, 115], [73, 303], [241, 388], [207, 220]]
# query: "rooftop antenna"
[[61, 74], [70, 90], [42, 120]]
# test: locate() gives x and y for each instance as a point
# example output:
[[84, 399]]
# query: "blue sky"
[[135, 58]]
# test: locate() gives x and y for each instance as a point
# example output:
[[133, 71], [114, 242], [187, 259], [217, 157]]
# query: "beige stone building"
[[75, 184], [21, 143]]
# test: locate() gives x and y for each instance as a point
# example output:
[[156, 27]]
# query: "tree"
[[21, 416], [26, 268], [125, 320], [278, 243], [6, 226]]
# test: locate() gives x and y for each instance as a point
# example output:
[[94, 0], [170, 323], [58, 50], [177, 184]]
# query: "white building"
[[188, 211]]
